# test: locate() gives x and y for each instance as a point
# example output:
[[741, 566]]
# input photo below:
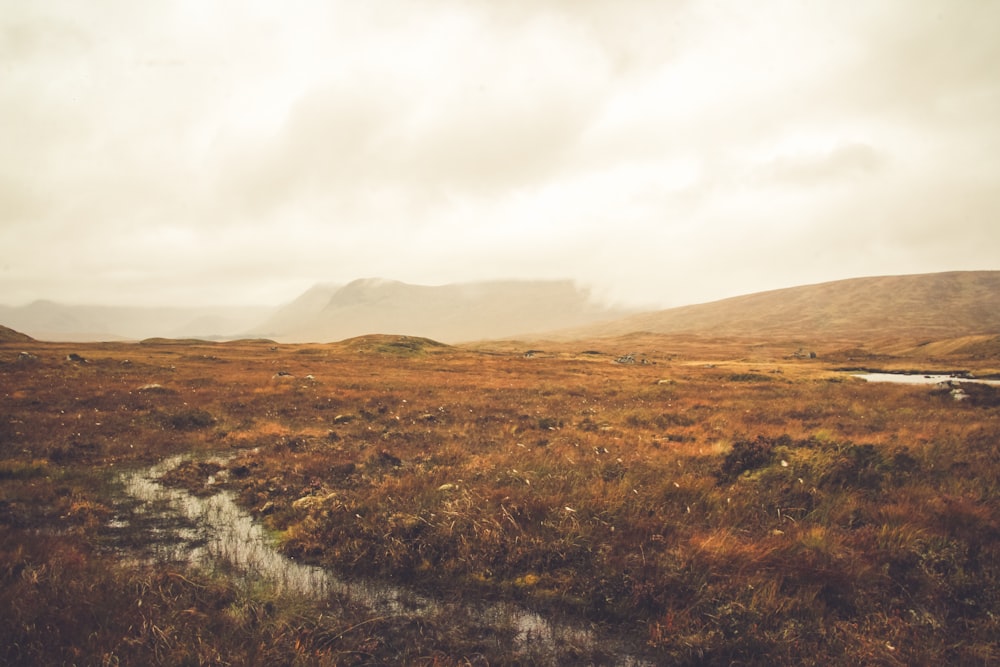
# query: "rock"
[[311, 502]]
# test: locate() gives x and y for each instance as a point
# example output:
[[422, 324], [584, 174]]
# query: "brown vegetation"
[[927, 306], [714, 501]]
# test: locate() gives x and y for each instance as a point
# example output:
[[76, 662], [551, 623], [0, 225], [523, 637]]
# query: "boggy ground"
[[718, 502]]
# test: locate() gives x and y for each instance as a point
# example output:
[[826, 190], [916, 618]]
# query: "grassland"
[[712, 501]]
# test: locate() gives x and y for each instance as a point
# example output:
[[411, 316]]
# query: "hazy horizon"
[[597, 299], [659, 154]]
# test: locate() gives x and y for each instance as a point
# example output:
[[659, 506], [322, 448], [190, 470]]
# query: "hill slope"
[[8, 335], [929, 305], [299, 313]]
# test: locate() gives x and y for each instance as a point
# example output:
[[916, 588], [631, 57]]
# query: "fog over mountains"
[[449, 313], [47, 320], [933, 305]]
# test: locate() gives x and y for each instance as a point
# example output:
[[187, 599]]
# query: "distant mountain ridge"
[[47, 320], [451, 313], [946, 304], [299, 313], [931, 306]]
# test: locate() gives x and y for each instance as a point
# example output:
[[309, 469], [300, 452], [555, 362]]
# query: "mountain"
[[47, 320], [447, 313], [914, 307], [930, 305], [300, 313]]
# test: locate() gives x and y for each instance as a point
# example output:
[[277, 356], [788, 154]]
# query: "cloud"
[[928, 61], [659, 151], [807, 169], [463, 108]]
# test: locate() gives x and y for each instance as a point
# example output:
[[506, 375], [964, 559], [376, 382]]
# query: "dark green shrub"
[[189, 420], [746, 455]]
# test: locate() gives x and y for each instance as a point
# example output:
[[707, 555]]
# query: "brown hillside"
[[927, 305], [8, 335]]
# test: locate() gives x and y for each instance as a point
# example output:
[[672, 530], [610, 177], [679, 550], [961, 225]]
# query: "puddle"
[[215, 532]]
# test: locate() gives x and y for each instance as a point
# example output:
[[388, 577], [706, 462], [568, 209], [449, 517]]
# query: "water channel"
[[213, 531]]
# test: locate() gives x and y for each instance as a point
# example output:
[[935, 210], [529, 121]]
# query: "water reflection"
[[920, 378], [214, 532]]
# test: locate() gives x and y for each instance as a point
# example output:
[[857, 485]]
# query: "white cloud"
[[663, 152]]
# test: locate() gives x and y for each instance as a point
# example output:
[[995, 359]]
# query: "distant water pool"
[[920, 378]]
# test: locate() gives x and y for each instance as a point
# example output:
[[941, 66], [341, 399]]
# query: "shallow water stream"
[[214, 532]]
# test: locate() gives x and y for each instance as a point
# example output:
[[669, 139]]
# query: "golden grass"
[[723, 501]]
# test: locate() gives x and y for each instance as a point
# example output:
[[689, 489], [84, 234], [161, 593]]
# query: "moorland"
[[705, 500]]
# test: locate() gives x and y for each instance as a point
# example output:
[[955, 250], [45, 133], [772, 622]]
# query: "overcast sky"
[[662, 153]]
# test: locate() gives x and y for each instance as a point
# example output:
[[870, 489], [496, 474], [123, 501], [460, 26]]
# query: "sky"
[[660, 153]]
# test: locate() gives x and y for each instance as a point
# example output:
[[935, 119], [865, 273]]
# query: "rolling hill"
[[935, 305]]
